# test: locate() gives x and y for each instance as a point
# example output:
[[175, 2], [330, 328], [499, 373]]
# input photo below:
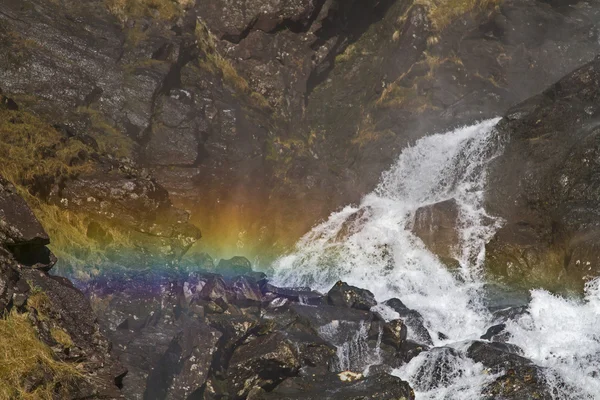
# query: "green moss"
[[346, 55]]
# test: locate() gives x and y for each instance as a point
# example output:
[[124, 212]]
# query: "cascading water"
[[373, 247]]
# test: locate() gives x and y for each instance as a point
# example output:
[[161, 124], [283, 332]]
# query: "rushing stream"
[[372, 246]]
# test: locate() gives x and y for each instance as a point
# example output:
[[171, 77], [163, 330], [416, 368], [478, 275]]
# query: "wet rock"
[[436, 226], [496, 333], [440, 368], [379, 386], [344, 295], [519, 377], [262, 362], [393, 333], [298, 295], [497, 356], [412, 319], [410, 349], [184, 368]]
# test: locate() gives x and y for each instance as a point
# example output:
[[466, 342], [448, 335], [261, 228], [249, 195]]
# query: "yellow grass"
[[24, 358]]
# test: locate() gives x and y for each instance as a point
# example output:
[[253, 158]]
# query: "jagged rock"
[[246, 290], [344, 295], [394, 333], [436, 226], [8, 281], [263, 362], [379, 386], [184, 368], [412, 319]]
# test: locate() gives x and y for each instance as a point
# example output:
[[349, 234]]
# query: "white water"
[[372, 246]]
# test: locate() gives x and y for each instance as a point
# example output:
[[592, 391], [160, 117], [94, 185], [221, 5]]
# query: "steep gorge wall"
[[264, 116]]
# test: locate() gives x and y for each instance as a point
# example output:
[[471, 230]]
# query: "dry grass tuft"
[[28, 368], [29, 148], [215, 63]]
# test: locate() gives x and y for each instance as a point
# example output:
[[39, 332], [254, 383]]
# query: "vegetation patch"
[[367, 132], [216, 64], [31, 150], [110, 140], [29, 370]]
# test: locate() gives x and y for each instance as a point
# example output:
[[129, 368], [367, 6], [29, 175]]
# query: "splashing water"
[[563, 335], [372, 246]]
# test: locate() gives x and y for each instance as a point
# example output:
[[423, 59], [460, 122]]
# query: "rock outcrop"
[[544, 186], [58, 320]]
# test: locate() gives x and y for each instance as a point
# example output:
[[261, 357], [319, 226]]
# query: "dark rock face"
[[185, 365], [24, 260], [544, 186]]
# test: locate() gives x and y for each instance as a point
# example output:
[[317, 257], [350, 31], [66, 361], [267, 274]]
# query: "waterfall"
[[372, 246]]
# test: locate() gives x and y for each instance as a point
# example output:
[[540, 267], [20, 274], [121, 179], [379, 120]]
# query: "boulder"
[[394, 333], [344, 295], [436, 226], [21, 232]]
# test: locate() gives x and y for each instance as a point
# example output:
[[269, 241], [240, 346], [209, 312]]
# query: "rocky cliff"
[[242, 111]]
